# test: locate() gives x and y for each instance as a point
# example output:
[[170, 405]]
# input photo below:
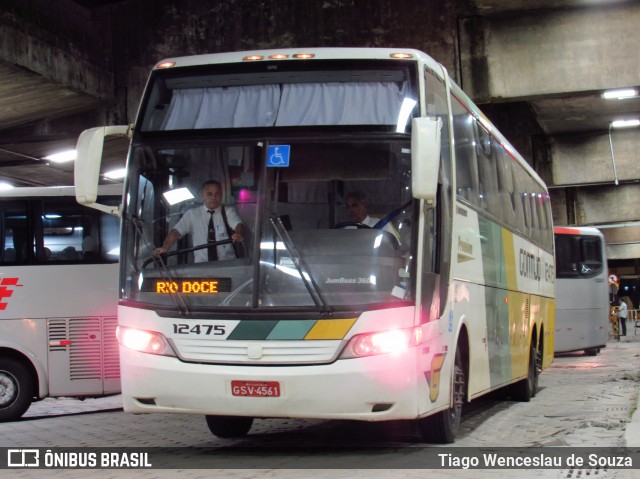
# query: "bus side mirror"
[[425, 157], [88, 161]]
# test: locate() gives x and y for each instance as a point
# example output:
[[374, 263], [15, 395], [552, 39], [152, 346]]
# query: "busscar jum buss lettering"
[[582, 306], [58, 297], [324, 317]]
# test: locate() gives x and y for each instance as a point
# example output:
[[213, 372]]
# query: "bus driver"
[[208, 223]]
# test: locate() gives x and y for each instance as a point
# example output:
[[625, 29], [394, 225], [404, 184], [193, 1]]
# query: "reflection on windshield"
[[305, 247]]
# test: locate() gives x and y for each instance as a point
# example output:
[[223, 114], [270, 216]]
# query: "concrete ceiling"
[[40, 116], [577, 112]]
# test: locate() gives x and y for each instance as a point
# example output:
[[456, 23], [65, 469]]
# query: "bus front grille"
[[258, 352]]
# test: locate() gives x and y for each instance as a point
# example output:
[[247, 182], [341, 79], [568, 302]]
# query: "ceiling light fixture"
[[116, 174], [620, 94], [625, 123], [62, 157], [178, 195]]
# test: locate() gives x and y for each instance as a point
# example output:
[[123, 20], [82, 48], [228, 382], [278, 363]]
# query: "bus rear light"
[[166, 64], [278, 56], [144, 341], [253, 58], [303, 56], [382, 342]]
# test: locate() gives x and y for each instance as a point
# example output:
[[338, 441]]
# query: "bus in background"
[[326, 317], [582, 290], [58, 297]]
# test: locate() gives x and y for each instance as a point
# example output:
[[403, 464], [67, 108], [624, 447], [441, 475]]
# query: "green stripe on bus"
[[492, 253], [253, 329], [296, 329]]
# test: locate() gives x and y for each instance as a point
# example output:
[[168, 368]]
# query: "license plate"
[[261, 389]]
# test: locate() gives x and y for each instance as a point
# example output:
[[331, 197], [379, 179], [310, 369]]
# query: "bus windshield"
[[301, 247]]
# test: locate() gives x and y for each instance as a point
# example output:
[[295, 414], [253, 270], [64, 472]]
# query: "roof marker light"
[[278, 56], [253, 58], [401, 56], [166, 64], [303, 56]]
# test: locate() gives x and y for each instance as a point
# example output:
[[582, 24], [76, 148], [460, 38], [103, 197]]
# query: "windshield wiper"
[[176, 297], [301, 267]]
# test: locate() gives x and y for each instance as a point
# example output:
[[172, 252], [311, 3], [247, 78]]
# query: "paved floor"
[[583, 402]]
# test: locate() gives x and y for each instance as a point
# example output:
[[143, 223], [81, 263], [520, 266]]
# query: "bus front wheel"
[[16, 389], [442, 427], [229, 426]]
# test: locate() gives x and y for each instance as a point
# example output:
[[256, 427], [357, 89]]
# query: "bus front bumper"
[[374, 388]]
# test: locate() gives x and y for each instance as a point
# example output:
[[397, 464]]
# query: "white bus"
[[58, 297], [582, 305], [321, 319]]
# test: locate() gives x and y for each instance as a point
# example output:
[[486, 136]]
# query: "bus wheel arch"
[[18, 386], [442, 427]]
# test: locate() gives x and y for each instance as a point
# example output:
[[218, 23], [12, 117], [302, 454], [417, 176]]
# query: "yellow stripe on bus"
[[330, 328]]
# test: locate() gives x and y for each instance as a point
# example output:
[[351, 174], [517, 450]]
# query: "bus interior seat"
[[69, 254], [89, 249], [9, 255]]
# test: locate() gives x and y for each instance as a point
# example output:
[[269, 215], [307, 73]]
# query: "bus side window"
[[487, 171], [467, 187], [15, 232]]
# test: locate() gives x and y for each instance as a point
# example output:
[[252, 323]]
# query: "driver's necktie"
[[211, 237]]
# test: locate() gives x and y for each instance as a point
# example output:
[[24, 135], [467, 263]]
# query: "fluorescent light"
[[177, 196], [62, 157], [620, 94], [116, 174], [5, 186], [625, 123]]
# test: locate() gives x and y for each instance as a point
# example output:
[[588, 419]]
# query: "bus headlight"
[[144, 341], [382, 342]]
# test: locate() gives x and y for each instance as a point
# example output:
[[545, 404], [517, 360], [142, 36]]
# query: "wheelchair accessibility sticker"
[[278, 156]]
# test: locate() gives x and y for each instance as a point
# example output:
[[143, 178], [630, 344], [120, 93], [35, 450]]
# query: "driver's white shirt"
[[370, 221], [196, 223]]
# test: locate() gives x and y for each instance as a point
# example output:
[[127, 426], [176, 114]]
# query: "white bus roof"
[[290, 53], [577, 230]]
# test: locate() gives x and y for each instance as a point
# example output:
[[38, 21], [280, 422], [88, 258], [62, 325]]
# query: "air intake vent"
[[111, 359], [91, 346], [57, 334], [86, 348]]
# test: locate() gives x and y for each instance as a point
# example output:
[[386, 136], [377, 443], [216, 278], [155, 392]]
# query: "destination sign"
[[188, 286]]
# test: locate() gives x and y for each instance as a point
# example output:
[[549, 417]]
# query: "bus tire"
[[442, 427], [16, 389], [527, 388], [592, 351], [229, 426]]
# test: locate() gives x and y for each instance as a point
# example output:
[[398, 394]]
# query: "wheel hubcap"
[[8, 389]]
